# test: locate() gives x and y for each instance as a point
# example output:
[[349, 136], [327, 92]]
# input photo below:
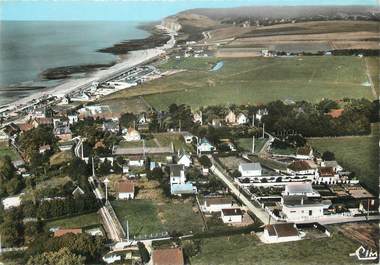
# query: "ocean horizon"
[[28, 48]]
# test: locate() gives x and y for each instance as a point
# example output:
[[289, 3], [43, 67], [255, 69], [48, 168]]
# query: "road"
[[341, 220], [258, 212]]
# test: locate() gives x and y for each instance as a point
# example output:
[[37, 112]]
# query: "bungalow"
[[299, 208], [230, 118], [232, 215], [250, 169], [61, 232], [135, 161], [303, 168], [126, 190], [283, 232], [216, 204], [168, 256], [305, 152], [205, 146], [178, 184], [131, 135], [241, 119], [300, 189]]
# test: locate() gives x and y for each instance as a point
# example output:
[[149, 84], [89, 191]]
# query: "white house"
[[185, 160], [197, 118], [303, 168], [178, 184], [216, 204], [73, 118], [283, 232], [205, 146], [334, 164], [131, 135], [241, 119], [230, 118], [125, 190], [260, 113], [299, 208], [327, 175], [12, 201], [300, 189], [250, 169], [232, 215]]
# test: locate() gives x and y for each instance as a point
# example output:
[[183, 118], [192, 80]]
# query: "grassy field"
[[5, 150], [246, 144], [165, 139], [148, 143], [246, 249], [259, 80], [374, 70], [76, 221], [358, 154], [146, 217], [61, 157]]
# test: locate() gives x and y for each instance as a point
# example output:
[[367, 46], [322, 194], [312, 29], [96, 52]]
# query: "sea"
[[29, 47]]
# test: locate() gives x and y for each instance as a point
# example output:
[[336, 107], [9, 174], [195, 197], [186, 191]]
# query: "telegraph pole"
[[106, 181], [263, 130], [93, 167], [253, 144]]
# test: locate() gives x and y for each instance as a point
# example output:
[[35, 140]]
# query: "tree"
[[61, 257], [127, 120], [236, 174], [156, 173], [145, 257], [205, 161], [328, 156]]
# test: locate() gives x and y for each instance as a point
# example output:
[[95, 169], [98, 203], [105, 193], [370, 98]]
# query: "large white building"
[[300, 208], [250, 169]]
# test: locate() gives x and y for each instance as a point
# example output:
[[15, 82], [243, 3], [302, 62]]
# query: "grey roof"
[[299, 187], [250, 166]]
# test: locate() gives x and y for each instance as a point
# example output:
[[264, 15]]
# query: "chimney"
[[302, 201]]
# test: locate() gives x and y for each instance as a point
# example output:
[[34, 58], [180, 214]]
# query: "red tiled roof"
[[25, 126], [126, 186], [61, 232], [335, 113], [169, 256]]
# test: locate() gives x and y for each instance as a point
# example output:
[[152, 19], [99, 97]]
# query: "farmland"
[[357, 153], [260, 80], [223, 250]]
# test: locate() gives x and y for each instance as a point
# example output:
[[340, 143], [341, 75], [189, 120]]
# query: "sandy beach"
[[132, 59]]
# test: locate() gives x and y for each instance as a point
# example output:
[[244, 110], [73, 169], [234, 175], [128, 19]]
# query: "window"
[[310, 212]]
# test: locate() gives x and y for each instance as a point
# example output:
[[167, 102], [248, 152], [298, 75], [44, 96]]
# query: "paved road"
[[258, 212]]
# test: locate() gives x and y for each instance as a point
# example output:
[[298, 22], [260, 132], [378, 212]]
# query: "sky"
[[133, 10]]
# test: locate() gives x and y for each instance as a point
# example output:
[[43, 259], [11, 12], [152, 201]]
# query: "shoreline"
[[70, 84]]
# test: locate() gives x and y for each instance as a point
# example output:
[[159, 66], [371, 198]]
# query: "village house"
[[248, 170], [184, 159], [232, 215], [305, 153], [131, 135], [24, 127], [61, 232], [178, 184], [38, 113], [260, 114], [63, 133], [77, 192], [110, 126], [327, 175], [188, 137], [204, 146], [11, 202], [216, 123], [197, 118], [334, 164], [230, 118], [42, 121], [216, 204], [335, 113], [300, 189], [306, 169], [283, 232], [141, 118], [168, 256], [44, 148], [241, 119], [299, 208], [125, 190]]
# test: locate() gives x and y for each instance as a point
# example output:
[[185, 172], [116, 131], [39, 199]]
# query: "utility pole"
[[82, 150], [106, 181], [253, 120], [253, 144], [263, 130], [93, 166], [179, 125], [127, 231], [144, 148]]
